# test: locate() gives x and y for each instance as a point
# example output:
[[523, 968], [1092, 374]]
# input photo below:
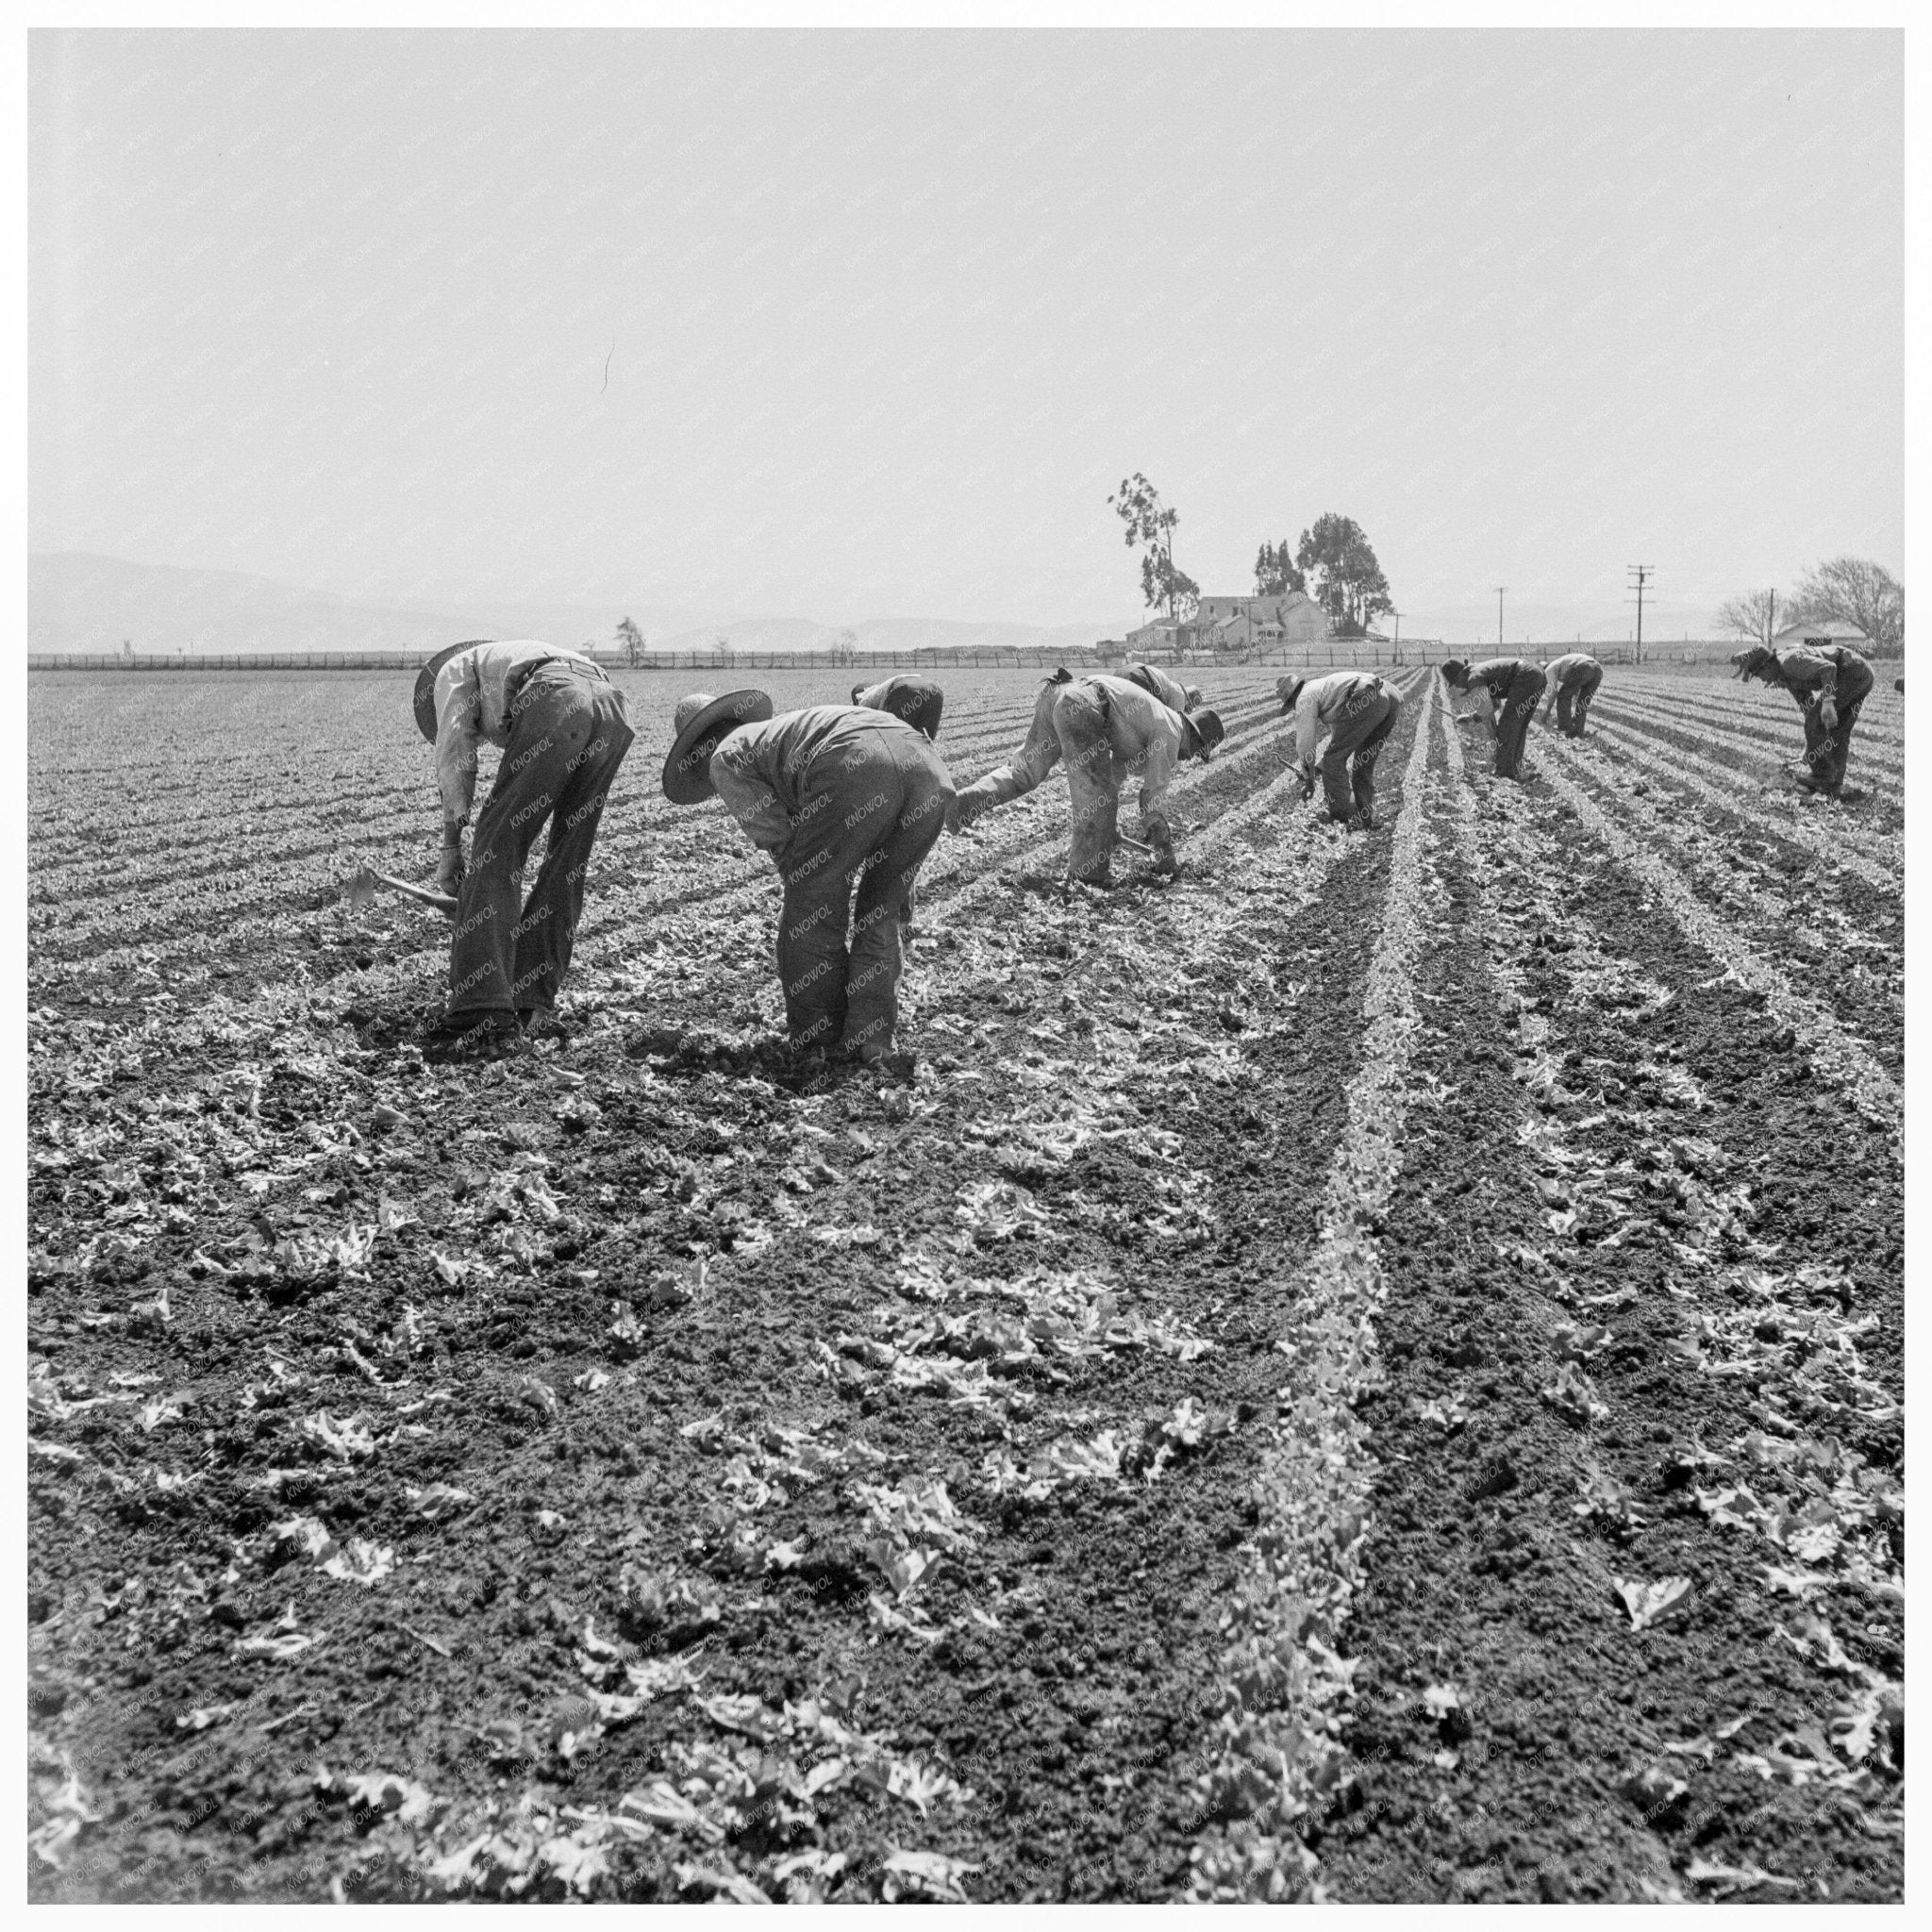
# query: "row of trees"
[[1851, 590], [1334, 562], [844, 648]]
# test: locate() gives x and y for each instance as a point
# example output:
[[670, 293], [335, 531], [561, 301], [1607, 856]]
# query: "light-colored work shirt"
[[1156, 683], [1145, 734], [470, 707], [1566, 670], [1324, 702]]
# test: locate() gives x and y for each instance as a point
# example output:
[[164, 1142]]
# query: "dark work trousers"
[[1514, 710], [1094, 776], [1573, 701], [867, 816], [1359, 736], [567, 738], [1826, 751]]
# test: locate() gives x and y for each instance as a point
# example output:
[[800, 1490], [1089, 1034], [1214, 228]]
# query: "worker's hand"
[[1161, 843], [966, 805], [1308, 786], [449, 873], [1827, 714]]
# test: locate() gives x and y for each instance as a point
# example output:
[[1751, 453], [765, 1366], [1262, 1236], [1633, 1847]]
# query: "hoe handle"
[[367, 878]]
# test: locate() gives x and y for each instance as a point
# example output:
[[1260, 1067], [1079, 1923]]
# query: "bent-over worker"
[[1156, 683], [1355, 710], [916, 701], [841, 796], [1830, 682], [1568, 684], [1105, 728], [563, 729], [1514, 685]]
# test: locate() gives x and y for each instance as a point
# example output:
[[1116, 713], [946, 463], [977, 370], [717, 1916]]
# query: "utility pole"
[[1771, 623], [1397, 615], [1500, 589], [1642, 573]]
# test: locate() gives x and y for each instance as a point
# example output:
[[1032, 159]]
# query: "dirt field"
[[1371, 1371]]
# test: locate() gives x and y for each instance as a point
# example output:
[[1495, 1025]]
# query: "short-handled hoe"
[[362, 891]]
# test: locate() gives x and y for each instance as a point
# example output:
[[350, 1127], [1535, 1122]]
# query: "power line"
[[1642, 573]]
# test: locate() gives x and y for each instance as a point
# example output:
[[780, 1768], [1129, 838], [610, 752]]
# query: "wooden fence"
[[1344, 653]]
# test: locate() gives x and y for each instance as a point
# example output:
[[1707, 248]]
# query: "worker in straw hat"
[[848, 801], [1568, 684], [560, 725], [1105, 728], [1514, 685], [917, 701], [1830, 682], [1355, 710]]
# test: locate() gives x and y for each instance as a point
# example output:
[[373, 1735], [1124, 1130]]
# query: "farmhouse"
[[1229, 624], [1240, 624], [1156, 640], [1821, 631]]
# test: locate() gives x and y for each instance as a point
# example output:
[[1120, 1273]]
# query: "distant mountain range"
[[77, 601]]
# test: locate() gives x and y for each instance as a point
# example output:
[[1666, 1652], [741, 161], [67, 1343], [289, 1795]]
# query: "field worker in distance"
[[1105, 728], [1568, 684], [842, 797], [918, 701], [561, 727], [1156, 683], [1514, 685], [1356, 710], [1830, 682]]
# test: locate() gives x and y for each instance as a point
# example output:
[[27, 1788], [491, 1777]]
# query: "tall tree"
[[1856, 590], [632, 639], [1150, 526], [1276, 572], [1348, 581], [1748, 614]]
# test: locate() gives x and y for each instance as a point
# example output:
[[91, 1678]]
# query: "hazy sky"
[[844, 325]]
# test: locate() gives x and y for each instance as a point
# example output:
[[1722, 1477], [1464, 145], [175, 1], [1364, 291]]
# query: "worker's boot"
[[489, 1035]]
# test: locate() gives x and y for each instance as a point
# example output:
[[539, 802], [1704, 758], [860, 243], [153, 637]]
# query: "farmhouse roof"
[[1836, 628]]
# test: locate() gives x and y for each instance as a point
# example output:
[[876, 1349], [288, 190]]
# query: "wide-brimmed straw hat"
[[702, 722], [1752, 657], [1201, 731], [425, 685], [1289, 690]]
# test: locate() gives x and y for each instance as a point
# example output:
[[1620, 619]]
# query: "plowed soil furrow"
[[1768, 713], [257, 912], [1764, 758], [1881, 717], [1876, 858], [1372, 1370], [1842, 939], [1191, 1199], [1505, 1521], [1854, 1064]]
